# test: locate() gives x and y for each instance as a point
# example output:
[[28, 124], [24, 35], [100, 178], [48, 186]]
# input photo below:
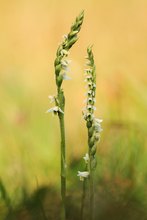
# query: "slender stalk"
[[61, 99], [91, 194], [83, 195], [93, 125], [83, 199], [61, 70]]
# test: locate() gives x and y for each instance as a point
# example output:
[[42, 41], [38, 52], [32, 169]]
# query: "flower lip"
[[64, 52], [55, 110], [83, 175], [86, 158], [66, 77]]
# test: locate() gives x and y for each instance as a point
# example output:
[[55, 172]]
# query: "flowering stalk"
[[93, 124], [61, 68], [83, 177]]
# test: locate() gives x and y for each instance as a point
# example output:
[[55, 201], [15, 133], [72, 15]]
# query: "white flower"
[[97, 124], [94, 85], [64, 52], [83, 175], [89, 92], [65, 69], [86, 158], [94, 108], [98, 128], [88, 70], [66, 77], [52, 98], [89, 77], [98, 120], [55, 110], [65, 36], [89, 107], [65, 63]]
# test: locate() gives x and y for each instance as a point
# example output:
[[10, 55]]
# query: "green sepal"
[[59, 80]]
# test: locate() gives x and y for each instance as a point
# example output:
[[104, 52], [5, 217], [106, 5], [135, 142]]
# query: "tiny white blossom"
[[98, 128], [86, 158], [89, 92], [64, 36], [89, 77], [83, 175], [94, 108], [52, 98], [94, 85], [65, 67], [55, 110], [93, 94], [89, 107], [88, 70], [90, 83], [65, 63], [64, 52], [97, 125], [98, 120], [66, 77]]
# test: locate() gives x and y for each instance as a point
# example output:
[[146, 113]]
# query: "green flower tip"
[[72, 37], [61, 63], [90, 56]]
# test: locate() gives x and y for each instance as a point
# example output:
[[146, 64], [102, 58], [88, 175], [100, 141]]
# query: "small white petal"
[[89, 77], [64, 52], [52, 98], [98, 128], [60, 110], [86, 158], [55, 110], [65, 36], [83, 175], [66, 77], [89, 92], [98, 120], [88, 70], [64, 63], [89, 107], [94, 108]]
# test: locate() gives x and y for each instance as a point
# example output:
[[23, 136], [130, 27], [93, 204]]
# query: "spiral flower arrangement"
[[61, 69], [93, 126]]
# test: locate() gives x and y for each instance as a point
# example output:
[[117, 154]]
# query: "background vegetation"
[[29, 143]]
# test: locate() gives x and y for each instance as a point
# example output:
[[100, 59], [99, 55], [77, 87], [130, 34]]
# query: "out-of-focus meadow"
[[29, 138]]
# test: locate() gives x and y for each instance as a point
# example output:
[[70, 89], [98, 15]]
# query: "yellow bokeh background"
[[30, 34]]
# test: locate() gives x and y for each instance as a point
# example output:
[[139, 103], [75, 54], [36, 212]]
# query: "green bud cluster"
[[61, 64], [92, 123]]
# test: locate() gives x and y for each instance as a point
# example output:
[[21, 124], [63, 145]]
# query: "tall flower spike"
[[61, 69], [93, 124], [61, 63]]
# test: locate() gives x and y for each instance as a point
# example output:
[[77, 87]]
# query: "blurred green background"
[[29, 138]]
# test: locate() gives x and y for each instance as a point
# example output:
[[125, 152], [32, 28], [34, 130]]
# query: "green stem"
[[83, 197], [91, 187], [61, 100], [91, 195], [83, 200]]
